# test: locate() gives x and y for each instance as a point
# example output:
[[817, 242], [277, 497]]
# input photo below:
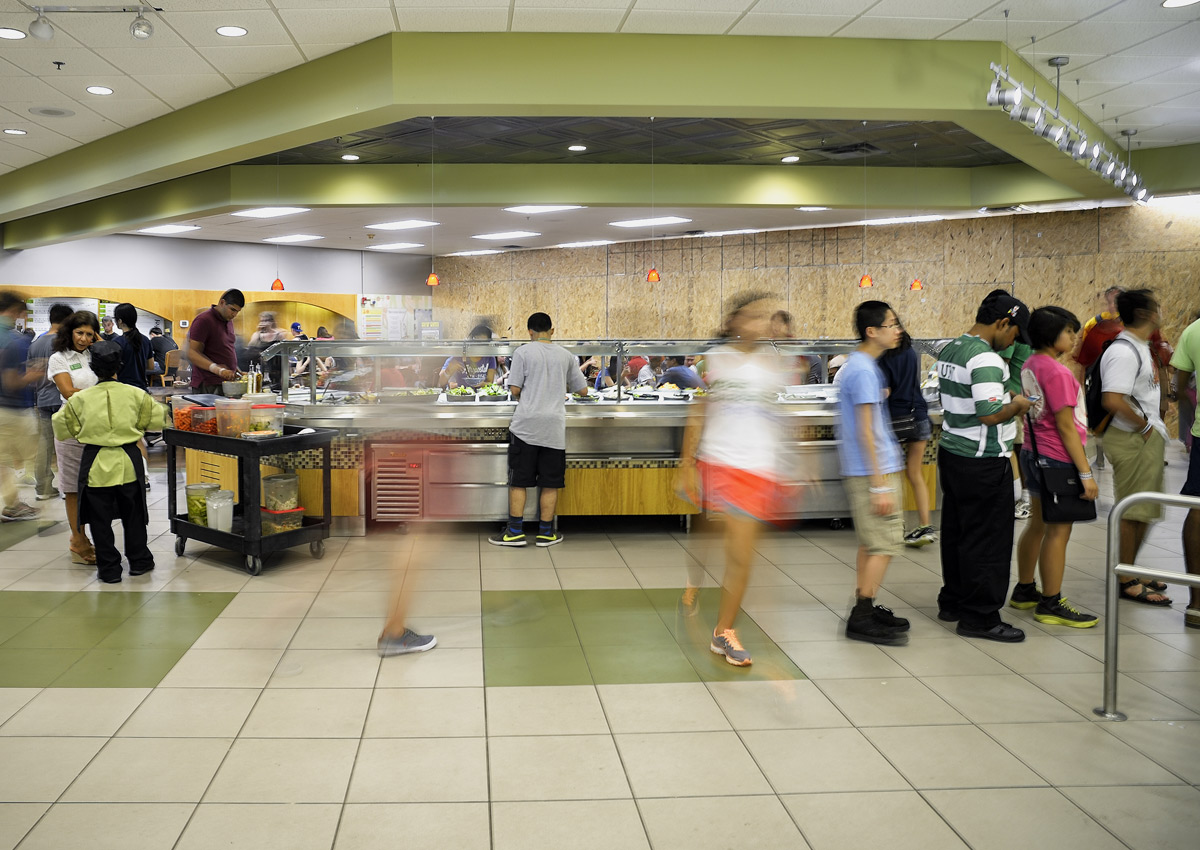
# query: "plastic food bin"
[[204, 420], [181, 415], [281, 492], [220, 509], [275, 522], [266, 417], [197, 502], [233, 416]]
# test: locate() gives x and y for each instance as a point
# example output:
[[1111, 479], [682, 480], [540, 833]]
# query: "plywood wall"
[[1064, 258]]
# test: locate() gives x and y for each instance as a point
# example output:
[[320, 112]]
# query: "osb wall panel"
[[1052, 258]]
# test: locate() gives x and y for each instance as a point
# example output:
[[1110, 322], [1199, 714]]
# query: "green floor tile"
[[10, 626], [31, 603], [120, 668], [64, 633], [622, 628], [140, 632], [638, 665], [35, 668], [770, 663], [611, 601], [550, 665], [552, 629], [97, 604], [512, 605], [197, 605]]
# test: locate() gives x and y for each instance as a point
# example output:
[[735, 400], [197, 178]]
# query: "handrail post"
[[1112, 557]]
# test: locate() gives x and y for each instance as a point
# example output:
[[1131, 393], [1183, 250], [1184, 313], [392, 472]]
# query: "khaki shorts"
[[881, 535], [1137, 467], [18, 446]]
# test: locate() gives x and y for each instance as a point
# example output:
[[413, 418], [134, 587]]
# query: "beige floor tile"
[[8, 575], [783, 554], [110, 826], [809, 624], [223, 668], [590, 578], [253, 827], [665, 557], [272, 604], [569, 767], [1000, 699], [420, 770], [551, 710], [779, 704], [149, 770], [944, 658], [326, 668], [950, 757], [53, 580], [1144, 818], [75, 711], [1181, 687], [204, 579], [442, 580], [569, 558], [344, 581], [688, 764], [438, 668], [451, 632], [779, 598], [704, 823], [677, 707], [842, 659], [191, 713], [826, 570], [320, 713], [672, 577], [575, 824], [290, 578], [380, 541], [801, 761], [856, 820], [1040, 654], [426, 713], [1137, 652], [414, 826], [338, 633], [248, 633], [350, 603], [16, 819], [520, 579], [37, 770], [284, 770], [1078, 754], [1174, 745], [12, 699], [1085, 692], [889, 702], [444, 603], [986, 819]]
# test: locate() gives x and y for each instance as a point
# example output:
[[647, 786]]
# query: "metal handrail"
[[1112, 592]]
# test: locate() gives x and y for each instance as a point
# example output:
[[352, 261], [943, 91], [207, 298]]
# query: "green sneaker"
[[1056, 612], [1025, 596], [551, 539]]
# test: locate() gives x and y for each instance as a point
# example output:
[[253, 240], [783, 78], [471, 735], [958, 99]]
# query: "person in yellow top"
[[109, 419]]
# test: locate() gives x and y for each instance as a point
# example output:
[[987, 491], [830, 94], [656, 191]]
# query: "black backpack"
[[1097, 416]]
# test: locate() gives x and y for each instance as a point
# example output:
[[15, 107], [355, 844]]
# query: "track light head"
[[41, 28], [1026, 114], [997, 96], [1141, 194], [1109, 168], [141, 28], [1054, 132]]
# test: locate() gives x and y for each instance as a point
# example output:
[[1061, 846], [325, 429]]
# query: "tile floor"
[[567, 705]]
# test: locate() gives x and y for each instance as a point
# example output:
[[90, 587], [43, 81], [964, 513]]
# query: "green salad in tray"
[[461, 394], [493, 392]]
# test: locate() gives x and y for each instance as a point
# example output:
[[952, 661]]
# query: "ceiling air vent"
[[854, 150]]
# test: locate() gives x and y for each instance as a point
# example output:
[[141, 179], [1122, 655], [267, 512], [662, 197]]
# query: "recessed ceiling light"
[[575, 148], [351, 157], [650, 222], [231, 32], [1178, 4], [790, 159], [534, 209], [170, 228], [13, 131], [475, 253], [812, 209], [101, 90], [911, 219], [589, 244], [270, 212], [396, 246], [406, 224], [728, 232], [506, 234], [11, 34], [295, 237]]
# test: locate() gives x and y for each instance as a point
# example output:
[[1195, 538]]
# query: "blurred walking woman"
[[731, 456], [70, 369]]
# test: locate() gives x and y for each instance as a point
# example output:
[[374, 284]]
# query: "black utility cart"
[[247, 537]]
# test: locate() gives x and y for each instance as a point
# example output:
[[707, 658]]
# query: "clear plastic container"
[[204, 420], [220, 509], [260, 398], [181, 414], [274, 522], [281, 492], [197, 501], [233, 416], [266, 417]]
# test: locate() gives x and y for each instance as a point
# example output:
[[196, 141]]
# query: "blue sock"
[[516, 525], [546, 528]]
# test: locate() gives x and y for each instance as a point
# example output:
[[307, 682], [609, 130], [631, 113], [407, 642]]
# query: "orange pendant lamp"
[[652, 276], [916, 285], [433, 280], [277, 285], [865, 281]]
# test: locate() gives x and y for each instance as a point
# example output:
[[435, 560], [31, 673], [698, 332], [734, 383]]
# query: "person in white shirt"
[[1136, 438]]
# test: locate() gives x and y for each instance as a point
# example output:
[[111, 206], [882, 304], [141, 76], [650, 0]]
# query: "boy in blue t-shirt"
[[870, 463]]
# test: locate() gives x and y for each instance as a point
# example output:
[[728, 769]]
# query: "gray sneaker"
[[19, 511], [726, 643], [410, 641], [45, 497]]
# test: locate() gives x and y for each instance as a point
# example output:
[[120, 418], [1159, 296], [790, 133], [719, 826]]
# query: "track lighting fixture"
[[1027, 114], [1053, 132], [41, 28], [998, 96], [141, 28]]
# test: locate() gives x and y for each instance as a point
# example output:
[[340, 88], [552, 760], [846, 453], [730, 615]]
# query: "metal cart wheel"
[[317, 548], [180, 543], [254, 565], [837, 524]]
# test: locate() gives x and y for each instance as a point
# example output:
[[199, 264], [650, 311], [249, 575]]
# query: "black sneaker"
[[887, 619], [1025, 596], [947, 616], [865, 627], [1055, 611], [505, 538], [1002, 632]]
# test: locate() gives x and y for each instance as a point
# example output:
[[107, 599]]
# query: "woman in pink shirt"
[[1058, 423]]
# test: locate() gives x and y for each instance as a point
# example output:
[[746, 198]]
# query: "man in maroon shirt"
[[210, 343]]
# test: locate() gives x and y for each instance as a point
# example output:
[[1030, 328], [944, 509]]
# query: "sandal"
[[86, 557], [1156, 586], [1143, 595]]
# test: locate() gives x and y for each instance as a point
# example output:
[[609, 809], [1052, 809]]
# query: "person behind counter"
[[110, 329], [471, 372], [266, 335], [679, 374], [211, 343], [109, 419], [540, 375]]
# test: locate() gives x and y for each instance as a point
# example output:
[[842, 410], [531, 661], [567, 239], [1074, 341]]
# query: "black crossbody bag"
[[1062, 490]]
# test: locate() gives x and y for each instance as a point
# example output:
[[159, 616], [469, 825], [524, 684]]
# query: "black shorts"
[[1191, 487], [535, 466]]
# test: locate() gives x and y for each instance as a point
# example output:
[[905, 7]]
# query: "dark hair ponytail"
[[126, 314]]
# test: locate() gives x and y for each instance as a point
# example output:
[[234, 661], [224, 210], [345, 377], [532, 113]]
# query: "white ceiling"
[[1138, 64]]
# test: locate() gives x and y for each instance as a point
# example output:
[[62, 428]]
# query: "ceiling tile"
[[897, 27], [1103, 37], [1157, 115], [239, 80], [1045, 10], [214, 5], [179, 90], [15, 157], [30, 88], [690, 6], [200, 28], [75, 86], [320, 26], [1125, 69], [1181, 41], [170, 60], [127, 113], [1148, 10], [336, 4], [8, 69], [571, 4], [21, 21], [104, 29], [78, 60], [1190, 100], [814, 7], [268, 59], [1018, 36], [757, 23], [697, 23], [44, 142], [567, 20], [961, 9], [450, 19], [1143, 94]]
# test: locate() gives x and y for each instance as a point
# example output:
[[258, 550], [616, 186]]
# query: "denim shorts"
[[1032, 479]]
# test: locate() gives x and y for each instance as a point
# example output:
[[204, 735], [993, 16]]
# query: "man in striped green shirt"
[[978, 428]]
